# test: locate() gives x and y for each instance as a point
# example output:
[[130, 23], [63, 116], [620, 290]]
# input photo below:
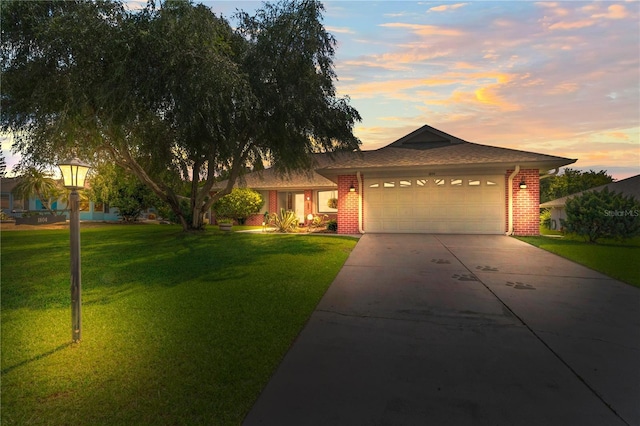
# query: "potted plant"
[[225, 224]]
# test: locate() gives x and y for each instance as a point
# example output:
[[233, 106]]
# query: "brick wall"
[[526, 202], [271, 205], [347, 205]]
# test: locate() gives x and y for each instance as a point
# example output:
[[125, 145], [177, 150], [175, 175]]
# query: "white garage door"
[[443, 204]]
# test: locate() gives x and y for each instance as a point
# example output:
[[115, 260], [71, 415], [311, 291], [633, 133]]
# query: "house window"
[[456, 182], [421, 182], [98, 207], [4, 201], [324, 201], [83, 206], [473, 182], [20, 204], [390, 184], [405, 184], [439, 182]]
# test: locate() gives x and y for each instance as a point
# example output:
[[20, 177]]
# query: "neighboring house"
[[15, 207], [425, 182], [629, 186], [9, 204]]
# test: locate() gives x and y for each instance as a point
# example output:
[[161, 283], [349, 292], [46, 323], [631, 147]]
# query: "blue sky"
[[560, 78]]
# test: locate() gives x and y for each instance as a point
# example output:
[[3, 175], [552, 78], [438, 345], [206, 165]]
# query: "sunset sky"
[[560, 78]]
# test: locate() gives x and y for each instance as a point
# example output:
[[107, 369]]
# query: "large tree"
[[173, 93], [570, 182], [38, 183]]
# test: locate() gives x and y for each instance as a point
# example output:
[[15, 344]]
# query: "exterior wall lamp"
[[523, 185], [74, 173], [352, 188]]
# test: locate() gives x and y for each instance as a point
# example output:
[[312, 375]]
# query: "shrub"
[[545, 218], [317, 222], [602, 214], [286, 221], [239, 204], [332, 225]]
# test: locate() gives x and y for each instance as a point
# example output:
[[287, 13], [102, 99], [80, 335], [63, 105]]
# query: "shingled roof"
[[425, 147], [270, 179], [430, 148]]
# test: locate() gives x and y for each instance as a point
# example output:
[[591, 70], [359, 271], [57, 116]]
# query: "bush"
[[603, 214], [239, 204], [317, 222], [332, 225], [287, 221], [545, 218]]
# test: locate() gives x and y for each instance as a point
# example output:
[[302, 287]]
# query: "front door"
[[299, 207]]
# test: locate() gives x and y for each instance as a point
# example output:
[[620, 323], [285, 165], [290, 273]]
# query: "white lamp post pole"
[[74, 173]]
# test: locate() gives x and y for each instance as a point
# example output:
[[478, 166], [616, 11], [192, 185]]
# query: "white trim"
[[510, 192], [359, 177]]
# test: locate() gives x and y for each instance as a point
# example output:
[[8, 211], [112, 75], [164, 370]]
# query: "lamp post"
[[74, 173]]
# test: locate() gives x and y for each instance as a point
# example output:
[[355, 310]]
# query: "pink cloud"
[[615, 11], [447, 7], [425, 30], [571, 25]]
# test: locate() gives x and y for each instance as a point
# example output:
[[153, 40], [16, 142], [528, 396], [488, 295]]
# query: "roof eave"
[[332, 173]]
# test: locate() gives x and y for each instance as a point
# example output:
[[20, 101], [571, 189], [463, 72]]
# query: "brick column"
[[526, 202], [272, 203], [347, 205]]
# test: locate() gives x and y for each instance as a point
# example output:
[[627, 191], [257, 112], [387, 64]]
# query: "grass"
[[177, 328], [616, 259]]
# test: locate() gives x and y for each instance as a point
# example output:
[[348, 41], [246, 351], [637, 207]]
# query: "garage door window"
[[421, 182], [456, 182], [374, 185], [405, 184], [473, 182], [491, 183], [390, 184], [439, 182]]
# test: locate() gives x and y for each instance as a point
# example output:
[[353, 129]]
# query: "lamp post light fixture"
[[74, 173]]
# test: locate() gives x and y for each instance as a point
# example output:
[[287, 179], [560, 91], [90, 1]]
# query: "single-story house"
[[15, 207], [425, 182], [628, 186]]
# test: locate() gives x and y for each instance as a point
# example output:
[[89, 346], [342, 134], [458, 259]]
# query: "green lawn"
[[620, 260], [177, 328]]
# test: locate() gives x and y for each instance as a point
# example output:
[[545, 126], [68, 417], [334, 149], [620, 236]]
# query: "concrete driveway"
[[461, 330]]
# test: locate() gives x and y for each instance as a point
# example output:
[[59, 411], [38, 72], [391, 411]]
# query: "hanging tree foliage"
[[172, 93]]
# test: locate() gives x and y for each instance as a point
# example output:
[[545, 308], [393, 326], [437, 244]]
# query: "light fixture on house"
[[352, 188], [74, 172], [523, 185]]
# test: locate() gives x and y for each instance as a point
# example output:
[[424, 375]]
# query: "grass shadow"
[[9, 369]]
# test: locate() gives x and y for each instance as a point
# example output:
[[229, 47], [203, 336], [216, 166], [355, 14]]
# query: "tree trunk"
[[197, 220]]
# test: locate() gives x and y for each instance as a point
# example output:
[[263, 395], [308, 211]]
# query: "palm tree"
[[37, 183]]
